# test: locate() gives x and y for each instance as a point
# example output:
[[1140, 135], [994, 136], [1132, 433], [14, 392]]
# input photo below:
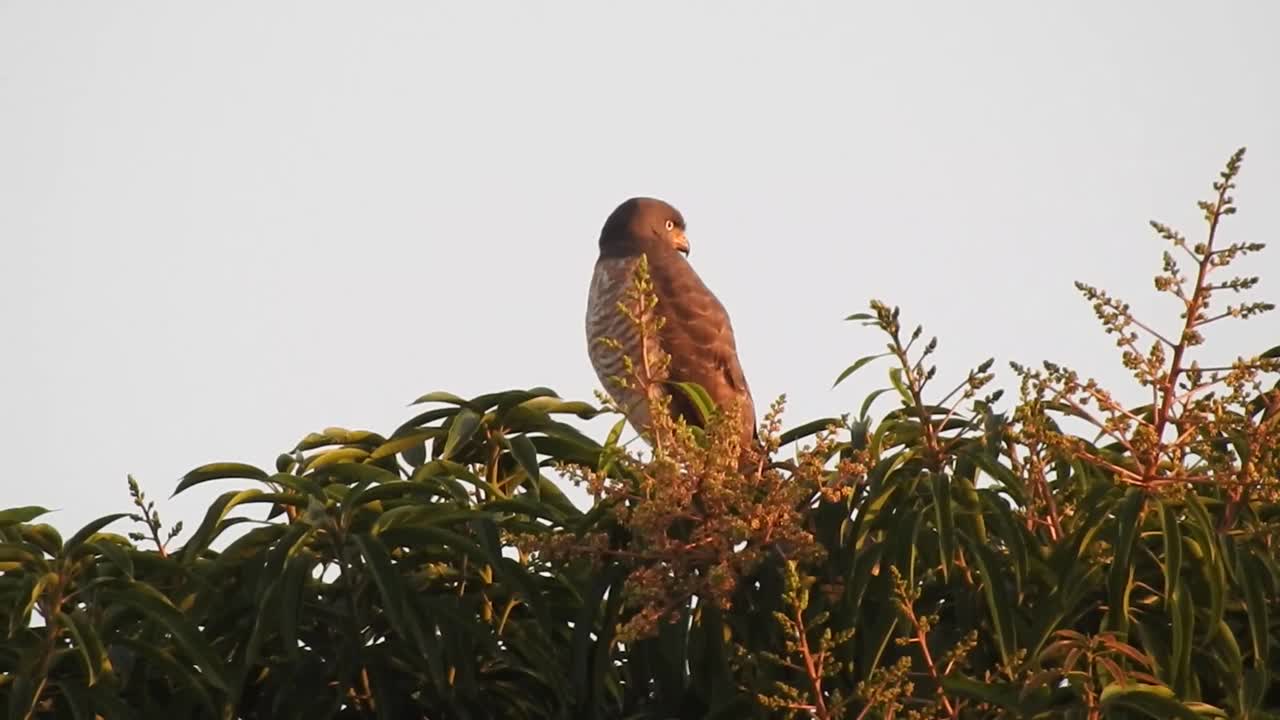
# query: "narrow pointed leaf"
[[86, 643], [85, 532], [157, 608], [219, 471], [1152, 701], [438, 396], [464, 425], [1120, 575], [1172, 548], [999, 602], [857, 365], [813, 427], [16, 515], [1252, 576], [944, 516]]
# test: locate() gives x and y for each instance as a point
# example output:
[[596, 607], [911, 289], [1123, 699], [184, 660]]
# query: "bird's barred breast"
[[609, 284], [608, 287]]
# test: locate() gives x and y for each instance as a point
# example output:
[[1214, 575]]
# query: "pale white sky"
[[225, 226]]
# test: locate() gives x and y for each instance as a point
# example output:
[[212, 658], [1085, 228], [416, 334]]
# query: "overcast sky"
[[226, 225]]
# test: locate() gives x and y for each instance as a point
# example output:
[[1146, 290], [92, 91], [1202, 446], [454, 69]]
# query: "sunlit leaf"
[[1153, 701], [219, 471], [16, 515]]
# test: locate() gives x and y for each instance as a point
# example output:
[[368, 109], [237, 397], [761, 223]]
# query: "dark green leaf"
[[16, 515], [857, 364], [869, 401], [1172, 548], [813, 427], [1120, 575], [999, 602], [526, 456], [85, 532], [86, 643], [219, 471], [213, 524], [439, 396], [1252, 575], [944, 515], [156, 608], [464, 425]]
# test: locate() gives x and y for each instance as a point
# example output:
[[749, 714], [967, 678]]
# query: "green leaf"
[[1211, 566], [31, 588], [88, 530], [439, 396], [1000, 695], [526, 456], [356, 473], [895, 379], [615, 433], [86, 643], [699, 398], [43, 536], [1251, 575], [418, 537], [164, 664], [219, 471], [1120, 576], [156, 608], [335, 456], [212, 525], [76, 693], [386, 491], [1153, 701], [944, 515], [1011, 531], [813, 427], [378, 563], [117, 551], [29, 555], [867, 403], [1182, 618], [404, 444], [1172, 548], [464, 425], [857, 364], [23, 694], [998, 599], [581, 647], [16, 515], [860, 316], [551, 405], [297, 569]]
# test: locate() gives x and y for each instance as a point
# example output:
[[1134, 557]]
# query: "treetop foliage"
[[1067, 557]]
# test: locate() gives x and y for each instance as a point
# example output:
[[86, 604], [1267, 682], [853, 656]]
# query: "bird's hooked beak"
[[680, 242]]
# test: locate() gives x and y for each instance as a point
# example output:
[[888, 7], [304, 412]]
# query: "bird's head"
[[643, 225]]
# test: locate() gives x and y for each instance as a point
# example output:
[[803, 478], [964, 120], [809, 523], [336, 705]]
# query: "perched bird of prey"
[[696, 332]]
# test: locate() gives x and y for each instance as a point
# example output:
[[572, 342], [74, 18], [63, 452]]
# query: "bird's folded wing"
[[698, 336]]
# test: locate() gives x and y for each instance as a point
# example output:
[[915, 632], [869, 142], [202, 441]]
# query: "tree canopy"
[[929, 555]]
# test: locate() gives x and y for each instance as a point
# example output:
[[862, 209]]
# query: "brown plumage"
[[696, 332]]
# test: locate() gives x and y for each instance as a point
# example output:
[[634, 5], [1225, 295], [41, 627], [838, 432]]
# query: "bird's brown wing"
[[698, 336]]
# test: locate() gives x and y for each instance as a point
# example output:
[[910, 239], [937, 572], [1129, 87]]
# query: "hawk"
[[696, 332]]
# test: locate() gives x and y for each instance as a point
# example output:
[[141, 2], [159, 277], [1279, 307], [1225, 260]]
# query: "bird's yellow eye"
[[670, 226]]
